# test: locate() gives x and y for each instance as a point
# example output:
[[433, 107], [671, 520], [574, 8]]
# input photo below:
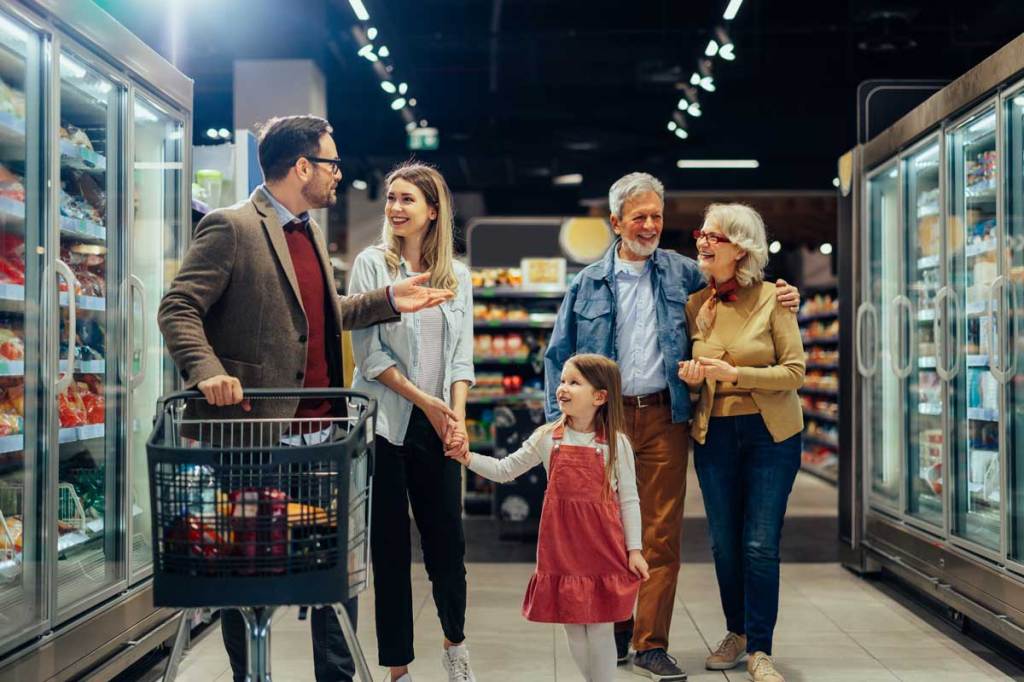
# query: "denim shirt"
[[396, 344], [587, 322]]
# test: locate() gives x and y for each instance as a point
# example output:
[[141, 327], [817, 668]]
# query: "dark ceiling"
[[523, 90]]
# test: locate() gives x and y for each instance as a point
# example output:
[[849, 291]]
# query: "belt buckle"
[[640, 403]]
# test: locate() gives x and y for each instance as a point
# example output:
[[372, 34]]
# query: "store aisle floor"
[[833, 627]]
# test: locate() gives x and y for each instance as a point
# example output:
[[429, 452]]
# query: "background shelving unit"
[[819, 327]]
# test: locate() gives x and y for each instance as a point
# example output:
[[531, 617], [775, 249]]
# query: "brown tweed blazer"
[[234, 308]]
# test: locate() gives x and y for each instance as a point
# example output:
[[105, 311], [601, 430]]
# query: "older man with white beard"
[[629, 306]]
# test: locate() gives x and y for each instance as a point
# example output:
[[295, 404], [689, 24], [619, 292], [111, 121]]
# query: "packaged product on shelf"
[[12, 346], [10, 534], [75, 136], [12, 100], [12, 259], [12, 406], [12, 185], [70, 408]]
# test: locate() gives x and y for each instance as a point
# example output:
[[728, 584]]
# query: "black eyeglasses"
[[334, 162]]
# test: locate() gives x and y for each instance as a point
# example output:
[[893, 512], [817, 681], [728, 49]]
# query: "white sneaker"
[[456, 661]]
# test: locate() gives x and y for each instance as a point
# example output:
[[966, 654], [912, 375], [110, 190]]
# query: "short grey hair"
[[745, 228], [631, 185]]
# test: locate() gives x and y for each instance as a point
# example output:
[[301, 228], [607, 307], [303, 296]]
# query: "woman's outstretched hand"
[[638, 565]]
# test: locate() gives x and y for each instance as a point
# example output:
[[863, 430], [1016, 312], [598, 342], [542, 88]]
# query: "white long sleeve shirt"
[[537, 450]]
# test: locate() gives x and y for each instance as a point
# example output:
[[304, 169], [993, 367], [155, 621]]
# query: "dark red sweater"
[[313, 290]]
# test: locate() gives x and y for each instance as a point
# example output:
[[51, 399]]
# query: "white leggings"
[[593, 649]]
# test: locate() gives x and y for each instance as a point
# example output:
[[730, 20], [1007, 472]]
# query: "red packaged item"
[[11, 345], [190, 536], [259, 522], [95, 406], [70, 408]]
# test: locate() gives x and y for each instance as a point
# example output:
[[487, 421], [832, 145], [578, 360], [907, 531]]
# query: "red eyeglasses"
[[713, 238]]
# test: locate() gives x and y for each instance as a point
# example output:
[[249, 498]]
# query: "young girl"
[[589, 564]]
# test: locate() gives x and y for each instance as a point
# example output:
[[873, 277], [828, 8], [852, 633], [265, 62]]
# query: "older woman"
[[748, 364]]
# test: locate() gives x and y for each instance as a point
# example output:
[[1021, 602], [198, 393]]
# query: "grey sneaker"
[[761, 668], [456, 662], [657, 665], [729, 653]]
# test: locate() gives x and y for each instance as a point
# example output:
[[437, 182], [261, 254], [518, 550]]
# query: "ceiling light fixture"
[[712, 49], [695, 78], [681, 133], [423, 123], [371, 33], [1019, 100], [360, 9], [727, 53], [410, 126], [383, 51], [359, 184], [403, 88], [412, 101], [672, 126], [694, 110], [717, 163], [826, 249], [730, 11], [835, 182], [775, 247], [388, 87], [567, 180], [212, 133], [399, 104]]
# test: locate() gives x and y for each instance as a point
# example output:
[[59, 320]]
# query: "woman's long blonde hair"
[[438, 244], [603, 374]]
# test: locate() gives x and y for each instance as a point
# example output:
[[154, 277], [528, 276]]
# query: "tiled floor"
[[832, 627]]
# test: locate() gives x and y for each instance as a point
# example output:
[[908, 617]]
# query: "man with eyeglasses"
[[629, 306], [255, 305]]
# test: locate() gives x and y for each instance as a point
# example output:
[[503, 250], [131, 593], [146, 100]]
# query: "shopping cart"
[[259, 513]]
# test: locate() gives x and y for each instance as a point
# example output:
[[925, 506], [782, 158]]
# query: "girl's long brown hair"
[[603, 374], [438, 246]]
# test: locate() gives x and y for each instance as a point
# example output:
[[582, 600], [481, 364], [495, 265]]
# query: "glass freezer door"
[[157, 179], [923, 276], [973, 232], [21, 606], [1013, 299], [88, 516], [883, 393]]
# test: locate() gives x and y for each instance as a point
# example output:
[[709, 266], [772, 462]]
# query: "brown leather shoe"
[[730, 653], [761, 668]]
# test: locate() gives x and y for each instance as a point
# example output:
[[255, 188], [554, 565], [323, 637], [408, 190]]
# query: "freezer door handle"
[[899, 325], [997, 346], [138, 290], [939, 323], [62, 270], [866, 308], [956, 336]]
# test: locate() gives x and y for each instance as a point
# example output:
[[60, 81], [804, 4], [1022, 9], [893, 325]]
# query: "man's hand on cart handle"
[[222, 390], [411, 296]]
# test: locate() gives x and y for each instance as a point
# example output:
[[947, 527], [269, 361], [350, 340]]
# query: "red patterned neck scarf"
[[726, 291]]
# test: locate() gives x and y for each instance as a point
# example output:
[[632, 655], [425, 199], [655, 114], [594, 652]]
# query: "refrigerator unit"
[[94, 131], [936, 493]]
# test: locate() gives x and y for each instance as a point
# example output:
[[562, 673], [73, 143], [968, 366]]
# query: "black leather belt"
[[662, 397]]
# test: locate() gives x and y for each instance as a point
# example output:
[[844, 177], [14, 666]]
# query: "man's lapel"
[[268, 217]]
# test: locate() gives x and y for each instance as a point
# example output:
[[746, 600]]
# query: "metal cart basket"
[[255, 513]]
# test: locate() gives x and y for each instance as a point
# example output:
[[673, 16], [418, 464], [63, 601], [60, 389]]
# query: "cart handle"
[[263, 393]]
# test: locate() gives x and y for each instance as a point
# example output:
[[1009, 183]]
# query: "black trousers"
[[332, 661], [419, 474]]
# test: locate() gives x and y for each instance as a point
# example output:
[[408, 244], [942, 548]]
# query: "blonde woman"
[[419, 369], [748, 362]]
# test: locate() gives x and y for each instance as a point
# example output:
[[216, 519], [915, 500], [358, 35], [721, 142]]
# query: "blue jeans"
[[745, 478]]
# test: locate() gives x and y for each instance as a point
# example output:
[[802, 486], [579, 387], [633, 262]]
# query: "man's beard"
[[322, 199], [640, 249]]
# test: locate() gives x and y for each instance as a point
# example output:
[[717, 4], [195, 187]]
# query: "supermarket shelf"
[[976, 308], [12, 292], [927, 211], [514, 292], [825, 472], [498, 360], [822, 341], [926, 315], [82, 229], [820, 391], [979, 247], [513, 324], [982, 414], [86, 366], [829, 315], [73, 156], [822, 366], [981, 195], [977, 361], [927, 362], [518, 399], [14, 443], [85, 302], [12, 368], [823, 442], [931, 409], [76, 434], [927, 262], [820, 416]]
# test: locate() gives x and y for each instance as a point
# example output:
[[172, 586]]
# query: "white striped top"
[[430, 368]]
